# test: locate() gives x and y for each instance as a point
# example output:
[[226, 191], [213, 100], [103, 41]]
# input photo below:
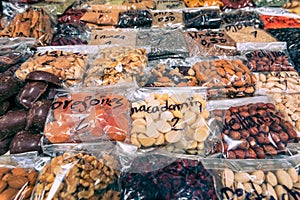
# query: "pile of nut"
[[176, 119], [32, 23], [116, 65], [230, 75], [16, 183], [254, 131], [69, 67], [277, 82], [78, 176], [260, 184]]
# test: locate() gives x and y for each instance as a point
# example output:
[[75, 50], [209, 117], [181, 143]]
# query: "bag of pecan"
[[260, 179], [266, 57], [172, 118], [156, 175], [90, 115], [85, 171], [251, 128], [19, 174]]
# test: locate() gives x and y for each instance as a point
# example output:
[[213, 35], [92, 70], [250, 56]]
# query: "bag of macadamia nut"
[[256, 179], [251, 128], [157, 175], [90, 115], [19, 174], [266, 57], [83, 171], [175, 118]]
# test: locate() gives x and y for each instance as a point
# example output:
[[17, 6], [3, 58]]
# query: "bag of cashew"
[[89, 115], [175, 118], [251, 128], [266, 57], [87, 171], [260, 179]]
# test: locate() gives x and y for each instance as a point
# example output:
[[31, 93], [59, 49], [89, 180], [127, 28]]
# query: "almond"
[[19, 172], [8, 194], [3, 185], [17, 181], [32, 175]]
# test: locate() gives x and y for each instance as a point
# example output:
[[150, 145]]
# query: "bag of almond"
[[255, 179], [171, 117], [84, 171], [19, 174], [251, 128]]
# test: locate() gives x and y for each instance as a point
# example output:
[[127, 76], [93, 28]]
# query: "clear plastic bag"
[[241, 17], [169, 4], [135, 19], [33, 22], [167, 19], [139, 4], [277, 82], [237, 4], [252, 128], [225, 78], [113, 37], [163, 43], [209, 43], [268, 3], [69, 67], [249, 179], [81, 172], [90, 115], [283, 21], [202, 18], [266, 57], [172, 117], [171, 73], [203, 3], [19, 175], [155, 176], [117, 64]]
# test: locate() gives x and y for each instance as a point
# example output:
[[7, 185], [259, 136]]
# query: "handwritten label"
[[209, 38], [164, 19], [111, 37], [280, 22], [169, 4]]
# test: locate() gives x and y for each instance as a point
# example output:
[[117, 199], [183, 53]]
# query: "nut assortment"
[[230, 75], [258, 184], [277, 82], [78, 176], [116, 65], [17, 183], [254, 131], [68, 66], [176, 119], [32, 23]]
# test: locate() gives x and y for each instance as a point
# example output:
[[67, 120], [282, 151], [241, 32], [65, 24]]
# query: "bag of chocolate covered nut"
[[251, 128], [255, 179]]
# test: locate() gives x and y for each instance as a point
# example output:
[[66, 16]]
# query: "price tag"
[[163, 19], [112, 37], [272, 22]]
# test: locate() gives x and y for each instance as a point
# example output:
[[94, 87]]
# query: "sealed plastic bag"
[[67, 66], [225, 78], [252, 128], [277, 82], [228, 4], [169, 4], [176, 117], [288, 104], [167, 19], [203, 3], [266, 57], [85, 172], [163, 43], [270, 3], [72, 15], [209, 43], [113, 37], [155, 176], [241, 17], [34, 22], [117, 64], [276, 22], [171, 73], [248, 179], [139, 4], [202, 18], [19, 175], [91, 114], [135, 19]]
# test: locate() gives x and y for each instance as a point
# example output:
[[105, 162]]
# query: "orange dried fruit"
[[57, 132]]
